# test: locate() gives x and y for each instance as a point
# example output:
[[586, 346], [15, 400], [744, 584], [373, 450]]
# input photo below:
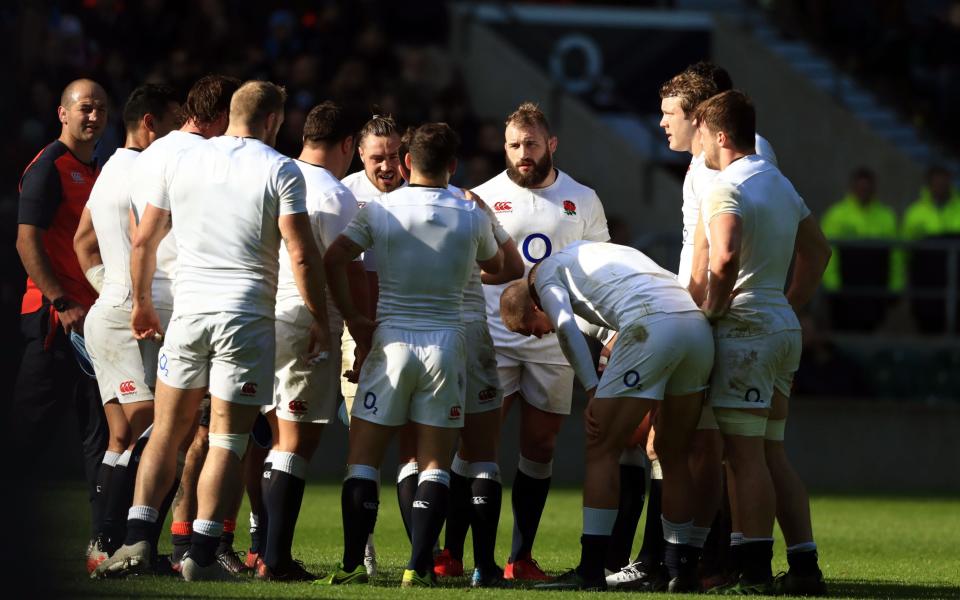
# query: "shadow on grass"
[[890, 589]]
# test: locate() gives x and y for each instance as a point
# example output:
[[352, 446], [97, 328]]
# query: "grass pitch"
[[870, 547]]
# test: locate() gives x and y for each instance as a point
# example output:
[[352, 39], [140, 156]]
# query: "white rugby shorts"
[[661, 354], [543, 386], [151, 348], [232, 353], [417, 376], [116, 355], [483, 382], [748, 369], [304, 392]]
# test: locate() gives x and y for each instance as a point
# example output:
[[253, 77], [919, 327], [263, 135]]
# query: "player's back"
[[149, 186], [426, 241], [611, 285], [226, 196], [109, 206]]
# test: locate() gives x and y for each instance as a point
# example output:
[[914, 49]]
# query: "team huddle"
[[242, 294]]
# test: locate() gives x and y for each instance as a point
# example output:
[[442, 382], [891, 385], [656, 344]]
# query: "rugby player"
[[415, 369], [102, 244], [475, 487], [544, 210], [378, 148], [204, 115], [752, 224], [305, 396], [234, 197], [664, 353], [679, 98]]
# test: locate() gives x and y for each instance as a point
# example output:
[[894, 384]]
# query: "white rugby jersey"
[[541, 221], [427, 241], [474, 303], [770, 209], [331, 207], [607, 285], [364, 191], [109, 206], [696, 183], [149, 176], [226, 196]]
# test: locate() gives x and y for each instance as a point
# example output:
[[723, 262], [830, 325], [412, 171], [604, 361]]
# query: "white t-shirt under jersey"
[[607, 285], [426, 241], [541, 221], [226, 196], [149, 176], [331, 207], [696, 183], [109, 206], [770, 210]]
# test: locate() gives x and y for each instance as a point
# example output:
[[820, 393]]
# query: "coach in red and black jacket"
[[53, 192]]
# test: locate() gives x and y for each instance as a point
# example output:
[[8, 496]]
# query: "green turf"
[[870, 547]]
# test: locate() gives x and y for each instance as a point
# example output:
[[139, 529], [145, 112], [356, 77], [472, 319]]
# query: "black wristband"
[[60, 304]]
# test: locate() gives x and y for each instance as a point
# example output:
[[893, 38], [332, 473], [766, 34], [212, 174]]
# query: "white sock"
[[208, 528], [290, 463], [698, 536], [676, 533], [598, 521], [804, 547], [110, 458], [535, 469], [143, 513]]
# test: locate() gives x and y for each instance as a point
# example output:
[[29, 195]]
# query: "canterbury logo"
[[502, 206], [477, 500], [421, 504], [371, 505], [128, 387], [297, 406], [248, 389]]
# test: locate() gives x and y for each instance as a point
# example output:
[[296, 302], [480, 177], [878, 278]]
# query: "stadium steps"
[[862, 103]]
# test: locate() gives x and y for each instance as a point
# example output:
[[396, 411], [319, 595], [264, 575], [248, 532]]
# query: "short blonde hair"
[[254, 100], [529, 114], [516, 305]]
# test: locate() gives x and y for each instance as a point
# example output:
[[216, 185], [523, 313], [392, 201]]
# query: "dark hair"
[[329, 123], [715, 73], [149, 98], [862, 173], [209, 98], [432, 147], [691, 88], [404, 147], [528, 114], [380, 126], [937, 171], [731, 112]]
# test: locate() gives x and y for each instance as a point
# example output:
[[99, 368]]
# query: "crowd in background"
[[905, 51], [388, 59]]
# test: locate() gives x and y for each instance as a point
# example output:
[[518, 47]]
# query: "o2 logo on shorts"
[[752, 395], [455, 412], [631, 379], [545, 242], [248, 389], [370, 402], [162, 363], [487, 395], [127, 388], [297, 406]]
